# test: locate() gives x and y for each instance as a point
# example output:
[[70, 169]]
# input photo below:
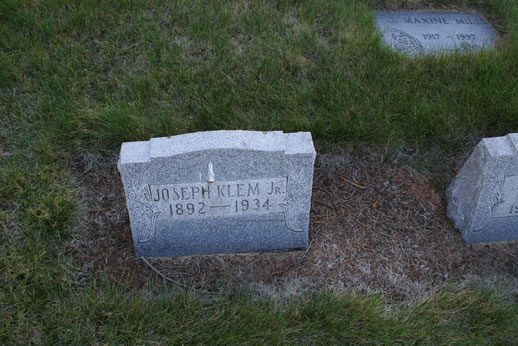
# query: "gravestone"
[[483, 198], [218, 192], [432, 32]]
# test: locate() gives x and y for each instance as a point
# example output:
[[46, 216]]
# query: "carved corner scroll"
[[404, 42], [491, 196], [143, 213], [296, 198]]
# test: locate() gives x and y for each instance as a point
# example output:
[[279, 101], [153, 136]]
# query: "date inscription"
[[431, 36], [460, 37], [219, 199], [466, 37]]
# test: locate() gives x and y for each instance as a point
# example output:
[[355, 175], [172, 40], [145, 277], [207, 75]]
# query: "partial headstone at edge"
[[218, 192], [420, 33], [483, 198]]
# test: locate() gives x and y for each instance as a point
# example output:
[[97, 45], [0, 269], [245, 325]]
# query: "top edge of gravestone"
[[502, 146], [385, 14], [269, 141], [430, 11]]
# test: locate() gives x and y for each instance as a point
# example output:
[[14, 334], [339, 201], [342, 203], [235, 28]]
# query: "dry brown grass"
[[376, 227]]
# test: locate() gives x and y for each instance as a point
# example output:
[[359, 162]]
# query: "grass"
[[88, 75], [99, 75], [112, 316]]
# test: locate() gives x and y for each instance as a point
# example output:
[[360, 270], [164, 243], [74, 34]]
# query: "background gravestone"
[[483, 198], [218, 192], [419, 32]]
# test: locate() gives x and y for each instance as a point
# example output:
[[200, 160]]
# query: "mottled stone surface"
[[218, 192], [483, 198], [432, 32]]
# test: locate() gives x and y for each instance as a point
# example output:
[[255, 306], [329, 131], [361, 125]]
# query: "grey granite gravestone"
[[431, 32], [218, 192], [483, 198]]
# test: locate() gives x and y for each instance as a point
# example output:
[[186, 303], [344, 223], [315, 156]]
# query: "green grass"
[[88, 75], [96, 75], [112, 316]]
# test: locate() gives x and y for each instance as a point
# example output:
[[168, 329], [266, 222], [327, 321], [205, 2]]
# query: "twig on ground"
[[353, 183], [169, 279], [375, 205], [361, 223]]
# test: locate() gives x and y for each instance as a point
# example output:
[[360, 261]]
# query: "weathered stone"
[[483, 198], [432, 32], [218, 192]]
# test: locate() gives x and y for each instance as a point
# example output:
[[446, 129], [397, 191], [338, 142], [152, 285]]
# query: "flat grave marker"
[[218, 192], [483, 198], [433, 32]]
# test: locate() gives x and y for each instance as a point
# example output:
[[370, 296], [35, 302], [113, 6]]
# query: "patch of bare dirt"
[[376, 227]]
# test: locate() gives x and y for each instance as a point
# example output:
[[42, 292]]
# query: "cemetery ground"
[[384, 264]]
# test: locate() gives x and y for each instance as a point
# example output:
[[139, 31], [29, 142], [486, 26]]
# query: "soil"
[[378, 226]]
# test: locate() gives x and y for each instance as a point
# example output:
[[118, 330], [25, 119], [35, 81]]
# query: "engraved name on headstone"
[[432, 32], [483, 198], [218, 192], [226, 198]]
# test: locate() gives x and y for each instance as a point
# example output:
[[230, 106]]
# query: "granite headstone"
[[218, 192], [483, 198], [432, 32]]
